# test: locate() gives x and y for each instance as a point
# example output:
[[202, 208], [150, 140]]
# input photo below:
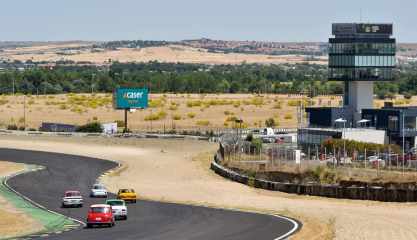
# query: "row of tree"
[[192, 78]]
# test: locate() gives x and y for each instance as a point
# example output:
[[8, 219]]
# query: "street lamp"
[[341, 120]]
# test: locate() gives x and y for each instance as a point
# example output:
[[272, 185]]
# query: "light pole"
[[341, 120], [403, 123]]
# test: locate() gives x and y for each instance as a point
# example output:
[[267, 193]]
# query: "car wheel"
[[125, 217]]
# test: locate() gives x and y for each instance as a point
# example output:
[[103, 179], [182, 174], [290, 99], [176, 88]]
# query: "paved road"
[[147, 220]]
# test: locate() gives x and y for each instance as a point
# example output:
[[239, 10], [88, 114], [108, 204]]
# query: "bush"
[[12, 127], [191, 115], [277, 105], [176, 117], [93, 127], [156, 116], [22, 128], [408, 95], [270, 122], [288, 116], [120, 123], [203, 123]]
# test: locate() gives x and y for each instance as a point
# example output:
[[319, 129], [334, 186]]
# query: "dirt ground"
[[171, 53], [177, 171], [14, 222]]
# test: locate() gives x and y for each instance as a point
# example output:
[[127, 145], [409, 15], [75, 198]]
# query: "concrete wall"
[[366, 135], [360, 96]]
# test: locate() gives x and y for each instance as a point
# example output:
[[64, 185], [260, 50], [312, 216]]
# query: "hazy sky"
[[269, 20]]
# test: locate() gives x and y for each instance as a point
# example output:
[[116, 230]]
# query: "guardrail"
[[128, 135]]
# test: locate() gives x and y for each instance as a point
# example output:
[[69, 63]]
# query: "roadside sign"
[[130, 98]]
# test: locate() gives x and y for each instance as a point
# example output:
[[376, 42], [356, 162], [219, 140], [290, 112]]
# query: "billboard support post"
[[130, 99], [125, 130]]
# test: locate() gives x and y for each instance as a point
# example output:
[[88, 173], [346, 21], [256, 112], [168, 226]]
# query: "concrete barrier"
[[374, 193]]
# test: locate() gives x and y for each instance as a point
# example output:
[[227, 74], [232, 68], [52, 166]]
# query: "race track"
[[147, 219]]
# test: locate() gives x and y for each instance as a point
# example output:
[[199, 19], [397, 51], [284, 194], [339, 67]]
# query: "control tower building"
[[359, 55]]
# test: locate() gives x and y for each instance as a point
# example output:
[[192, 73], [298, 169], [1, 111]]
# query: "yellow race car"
[[128, 195]]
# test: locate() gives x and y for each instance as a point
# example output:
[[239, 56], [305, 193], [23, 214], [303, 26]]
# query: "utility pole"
[[24, 111], [13, 86], [92, 82], [403, 142]]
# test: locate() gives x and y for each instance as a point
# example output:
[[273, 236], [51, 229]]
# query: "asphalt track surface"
[[146, 219]]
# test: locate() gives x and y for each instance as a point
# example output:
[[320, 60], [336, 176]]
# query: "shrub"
[[95, 118], [156, 103], [120, 123], [203, 123], [173, 108], [293, 103], [176, 117], [22, 128], [63, 107], [191, 115], [196, 103], [270, 122], [408, 95], [93, 127], [156, 116], [288, 116], [228, 113], [277, 105], [12, 127], [3, 101], [231, 119]]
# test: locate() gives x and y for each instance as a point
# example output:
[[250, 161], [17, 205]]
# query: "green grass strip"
[[51, 222]]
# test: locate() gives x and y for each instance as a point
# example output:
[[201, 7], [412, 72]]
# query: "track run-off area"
[[147, 219]]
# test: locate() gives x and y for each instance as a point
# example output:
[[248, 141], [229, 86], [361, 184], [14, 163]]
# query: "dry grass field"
[[166, 111], [170, 53]]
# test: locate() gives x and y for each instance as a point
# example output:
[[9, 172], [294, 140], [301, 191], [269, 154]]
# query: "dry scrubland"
[[171, 53], [172, 111], [14, 222], [148, 165], [169, 111]]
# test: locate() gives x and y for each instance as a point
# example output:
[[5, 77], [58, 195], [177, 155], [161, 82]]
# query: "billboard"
[[130, 98], [361, 28]]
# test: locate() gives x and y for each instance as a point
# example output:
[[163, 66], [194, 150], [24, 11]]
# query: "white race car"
[[98, 190], [119, 208], [72, 199]]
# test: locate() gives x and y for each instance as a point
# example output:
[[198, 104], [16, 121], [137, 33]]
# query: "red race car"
[[100, 214]]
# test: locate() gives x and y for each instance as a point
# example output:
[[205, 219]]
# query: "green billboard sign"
[[130, 98]]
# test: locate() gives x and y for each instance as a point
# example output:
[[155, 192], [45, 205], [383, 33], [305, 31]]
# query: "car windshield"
[[98, 187], [72, 194], [115, 203], [127, 191], [100, 209]]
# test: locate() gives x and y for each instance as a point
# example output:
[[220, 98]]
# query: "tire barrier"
[[389, 193]]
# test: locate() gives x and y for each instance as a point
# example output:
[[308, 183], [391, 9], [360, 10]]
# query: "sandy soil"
[[177, 171], [171, 53], [14, 222]]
